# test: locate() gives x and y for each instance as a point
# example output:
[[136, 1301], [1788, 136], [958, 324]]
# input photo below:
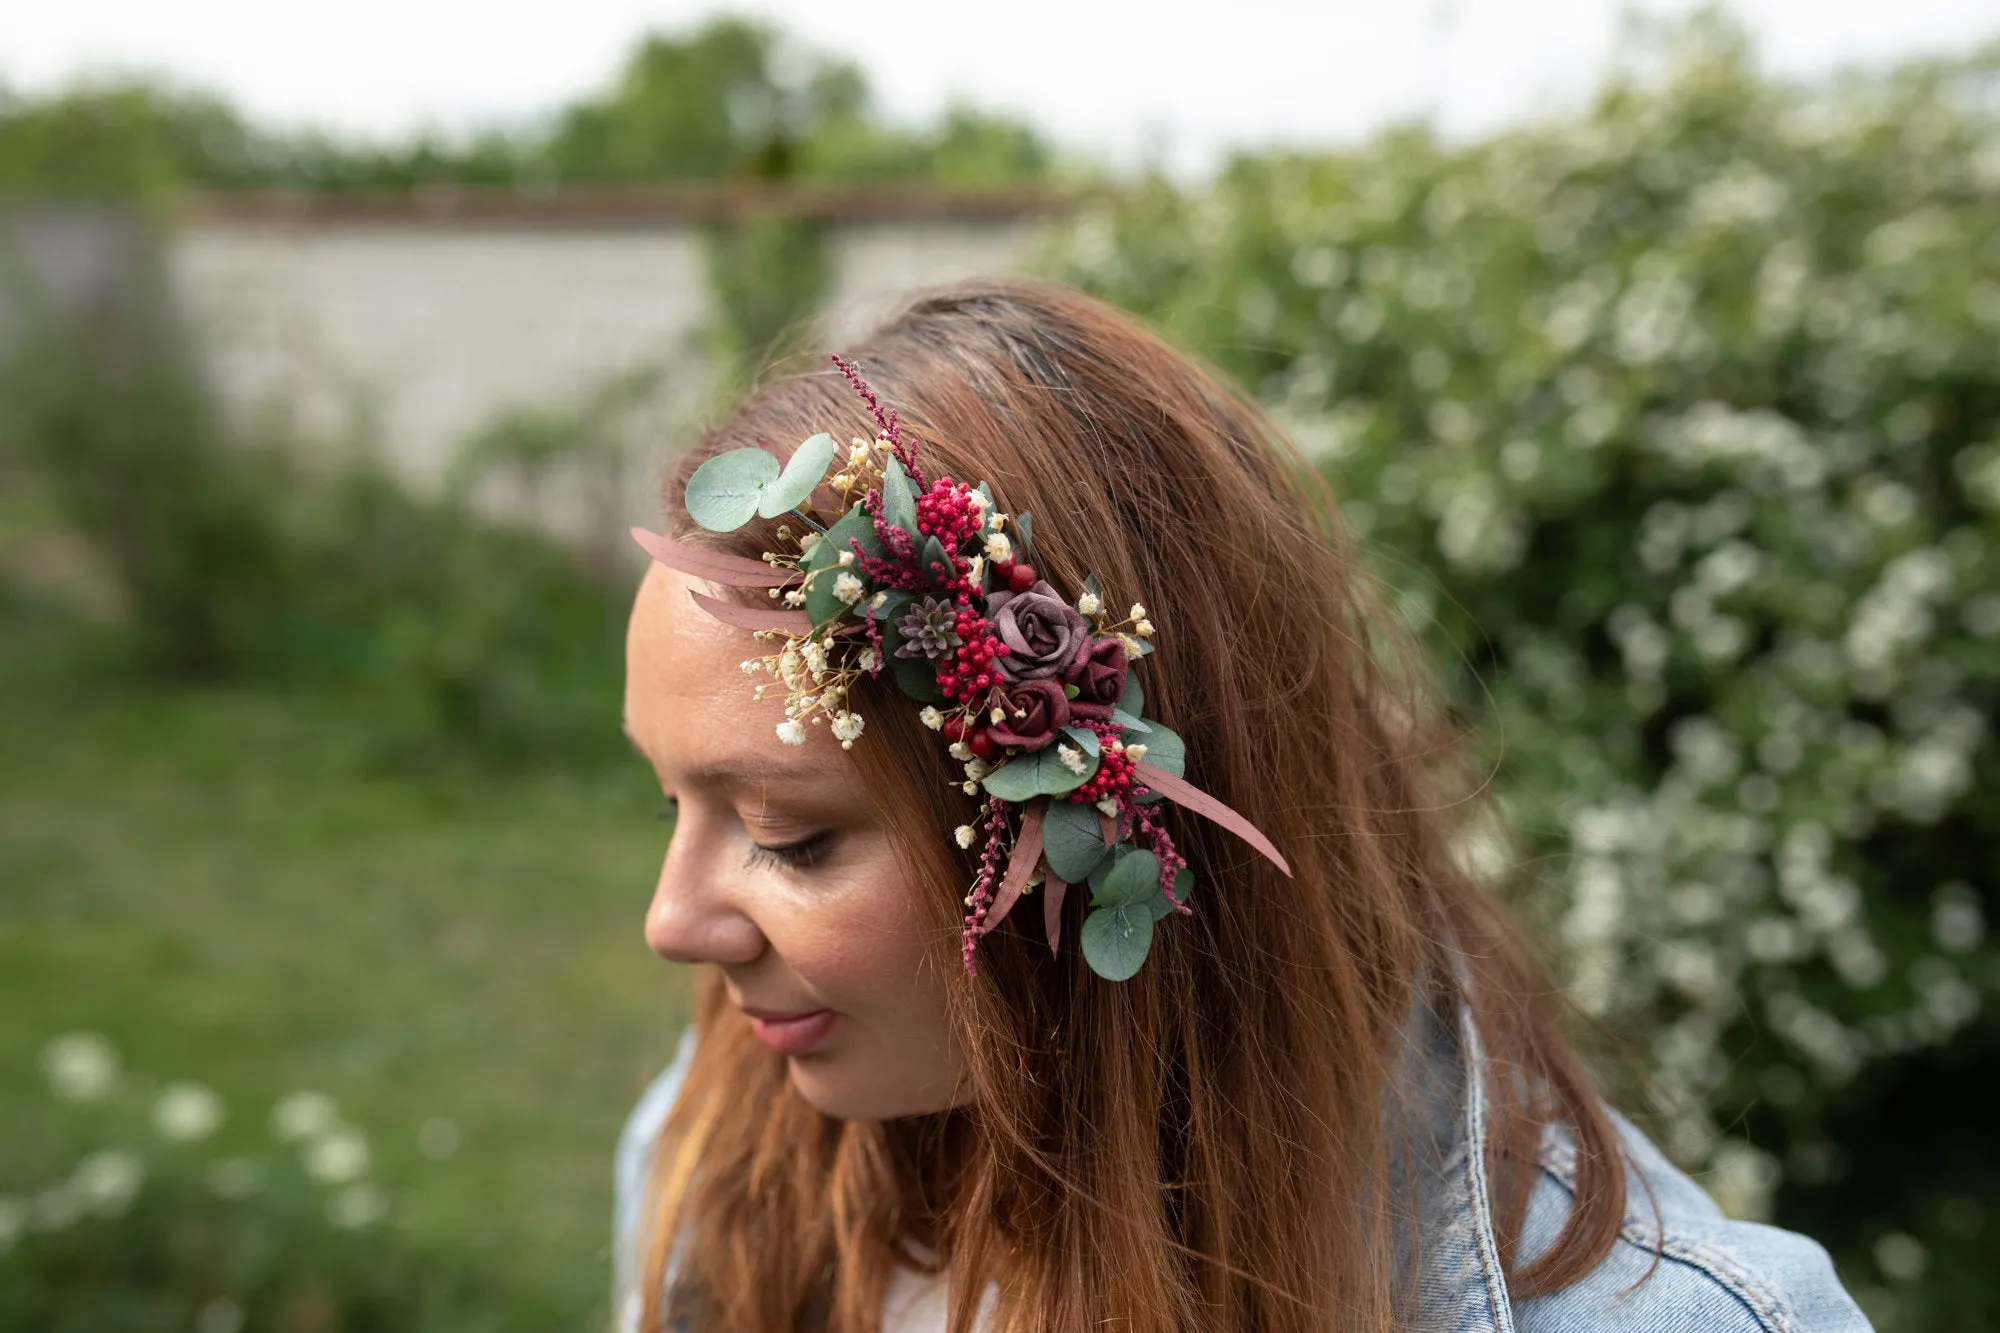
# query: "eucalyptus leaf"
[[1165, 750], [1024, 525], [802, 475], [899, 501], [1129, 723], [1133, 700], [1183, 886], [1072, 841], [724, 492], [1040, 773], [1084, 737], [1116, 941], [1133, 881]]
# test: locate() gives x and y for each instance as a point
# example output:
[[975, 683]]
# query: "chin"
[[852, 1090]]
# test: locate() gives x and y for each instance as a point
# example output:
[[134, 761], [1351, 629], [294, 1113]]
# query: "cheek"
[[867, 946]]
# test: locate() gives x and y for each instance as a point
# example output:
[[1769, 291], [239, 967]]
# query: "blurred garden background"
[[1672, 415]]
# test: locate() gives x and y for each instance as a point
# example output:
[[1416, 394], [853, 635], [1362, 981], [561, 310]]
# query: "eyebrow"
[[735, 774]]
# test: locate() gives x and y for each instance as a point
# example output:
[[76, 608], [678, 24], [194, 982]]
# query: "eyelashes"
[[802, 854], [799, 854]]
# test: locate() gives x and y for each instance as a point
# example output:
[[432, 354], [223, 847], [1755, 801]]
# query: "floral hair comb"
[[924, 578]]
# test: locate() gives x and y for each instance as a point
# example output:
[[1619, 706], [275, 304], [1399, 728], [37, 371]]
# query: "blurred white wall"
[[415, 335]]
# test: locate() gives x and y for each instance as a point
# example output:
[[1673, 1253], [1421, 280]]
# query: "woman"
[[1327, 1088]]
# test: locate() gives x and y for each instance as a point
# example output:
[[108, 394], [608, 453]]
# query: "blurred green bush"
[[245, 554], [1676, 426]]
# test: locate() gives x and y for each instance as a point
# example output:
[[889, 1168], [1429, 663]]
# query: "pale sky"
[[1118, 78]]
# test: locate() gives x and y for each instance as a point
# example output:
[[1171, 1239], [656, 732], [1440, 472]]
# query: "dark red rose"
[[1033, 713], [1098, 672], [1040, 629]]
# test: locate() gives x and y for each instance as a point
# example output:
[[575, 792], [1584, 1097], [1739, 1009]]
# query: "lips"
[[791, 1034]]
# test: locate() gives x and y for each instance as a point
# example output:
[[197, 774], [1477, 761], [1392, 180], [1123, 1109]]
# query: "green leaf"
[[821, 604], [933, 560], [916, 677], [1165, 751], [1084, 737], [1072, 841], [1116, 941], [802, 475], [899, 502], [1133, 881], [1183, 886], [1040, 773], [724, 492], [1133, 700], [892, 610], [1091, 586], [1130, 723], [1025, 526]]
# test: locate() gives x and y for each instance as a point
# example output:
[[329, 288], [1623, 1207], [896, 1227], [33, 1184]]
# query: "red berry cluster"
[[975, 737], [946, 512], [1114, 771], [969, 673]]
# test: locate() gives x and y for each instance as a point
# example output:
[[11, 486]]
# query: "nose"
[[694, 918]]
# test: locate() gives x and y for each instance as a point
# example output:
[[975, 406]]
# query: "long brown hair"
[[1204, 1146]]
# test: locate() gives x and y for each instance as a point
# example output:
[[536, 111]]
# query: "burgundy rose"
[[1098, 672], [1033, 713], [1040, 629]]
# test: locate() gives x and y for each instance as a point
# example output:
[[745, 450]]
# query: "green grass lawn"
[[230, 890]]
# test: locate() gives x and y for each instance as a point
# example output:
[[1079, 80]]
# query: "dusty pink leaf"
[[1020, 864], [1190, 797], [713, 566], [753, 617]]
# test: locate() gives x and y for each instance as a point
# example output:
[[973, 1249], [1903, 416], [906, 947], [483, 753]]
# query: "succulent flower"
[[929, 629]]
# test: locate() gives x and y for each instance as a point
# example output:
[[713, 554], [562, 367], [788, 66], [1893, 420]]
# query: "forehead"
[[694, 712]]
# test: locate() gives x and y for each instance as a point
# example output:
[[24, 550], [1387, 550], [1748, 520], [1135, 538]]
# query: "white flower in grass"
[[998, 547], [1090, 604], [187, 1112], [357, 1206], [792, 732], [965, 833], [107, 1181], [303, 1115], [13, 1221], [80, 1067], [847, 729], [220, 1315], [848, 588], [338, 1158], [1072, 758], [931, 717]]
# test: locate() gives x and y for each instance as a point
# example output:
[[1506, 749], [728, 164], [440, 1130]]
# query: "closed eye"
[[800, 854]]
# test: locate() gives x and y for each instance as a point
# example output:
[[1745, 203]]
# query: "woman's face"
[[780, 872]]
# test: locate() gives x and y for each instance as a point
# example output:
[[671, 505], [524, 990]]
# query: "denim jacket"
[[1678, 1266]]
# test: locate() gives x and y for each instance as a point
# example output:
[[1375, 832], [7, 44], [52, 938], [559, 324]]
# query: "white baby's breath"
[[792, 732], [965, 833]]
